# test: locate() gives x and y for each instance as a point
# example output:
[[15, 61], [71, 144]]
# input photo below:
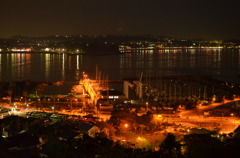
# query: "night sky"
[[212, 19]]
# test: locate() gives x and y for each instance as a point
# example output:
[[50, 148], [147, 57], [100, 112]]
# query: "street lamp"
[[232, 114], [125, 129], [139, 138]]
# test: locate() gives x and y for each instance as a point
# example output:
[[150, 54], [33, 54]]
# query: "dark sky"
[[210, 19]]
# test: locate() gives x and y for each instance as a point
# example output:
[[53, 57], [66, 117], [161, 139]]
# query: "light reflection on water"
[[223, 64]]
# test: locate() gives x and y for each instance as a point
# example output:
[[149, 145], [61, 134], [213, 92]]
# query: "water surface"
[[218, 63]]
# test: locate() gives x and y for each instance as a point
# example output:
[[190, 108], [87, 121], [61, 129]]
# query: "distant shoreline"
[[101, 52], [43, 52], [179, 48]]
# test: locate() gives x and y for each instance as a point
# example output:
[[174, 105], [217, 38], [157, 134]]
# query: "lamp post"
[[232, 115], [125, 128]]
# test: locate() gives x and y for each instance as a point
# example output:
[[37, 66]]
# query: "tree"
[[119, 116], [170, 148], [203, 145], [146, 118], [232, 143]]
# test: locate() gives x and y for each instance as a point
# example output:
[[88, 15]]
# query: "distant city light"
[[47, 49]]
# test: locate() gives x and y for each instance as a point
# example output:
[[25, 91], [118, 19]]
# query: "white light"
[[47, 49]]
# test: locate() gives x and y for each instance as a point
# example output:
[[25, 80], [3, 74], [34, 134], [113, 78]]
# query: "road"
[[196, 116]]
